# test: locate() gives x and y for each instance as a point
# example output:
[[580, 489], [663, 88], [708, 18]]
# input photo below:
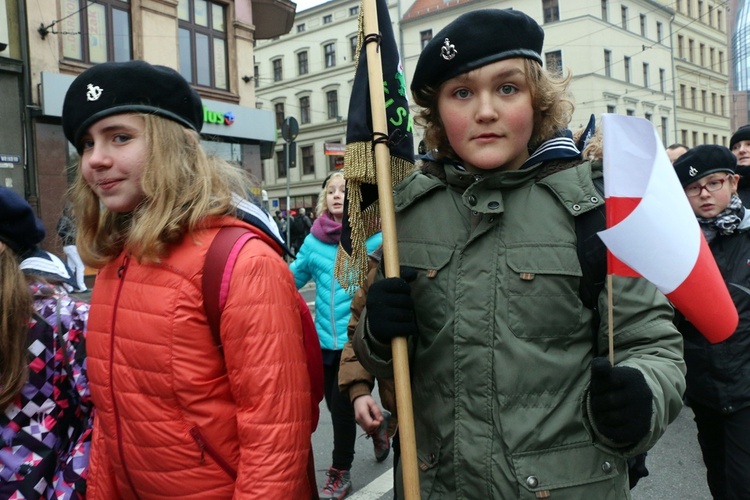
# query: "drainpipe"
[[31, 187], [674, 78]]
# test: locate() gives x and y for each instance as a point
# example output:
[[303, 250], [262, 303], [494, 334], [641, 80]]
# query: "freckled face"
[[115, 151], [488, 115], [710, 204]]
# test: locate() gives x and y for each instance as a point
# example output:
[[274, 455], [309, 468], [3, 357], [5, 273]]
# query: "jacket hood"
[[249, 212]]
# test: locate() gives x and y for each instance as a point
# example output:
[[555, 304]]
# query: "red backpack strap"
[[217, 271]]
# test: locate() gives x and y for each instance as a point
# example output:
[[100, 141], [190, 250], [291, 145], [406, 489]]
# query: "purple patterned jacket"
[[45, 433]]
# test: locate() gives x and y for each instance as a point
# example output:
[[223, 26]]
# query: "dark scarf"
[[326, 229], [726, 222]]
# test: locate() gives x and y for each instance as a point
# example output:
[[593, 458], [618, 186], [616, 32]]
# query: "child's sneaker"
[[380, 440], [339, 484]]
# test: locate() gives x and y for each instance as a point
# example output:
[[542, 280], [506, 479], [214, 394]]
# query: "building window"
[[682, 95], [659, 31], [104, 28], [605, 14], [353, 47], [643, 25], [704, 103], [203, 43], [301, 28], [611, 108], [711, 20], [648, 116], [662, 82], [328, 19], [712, 57], [693, 96], [302, 63], [551, 10], [353, 11], [713, 104], [723, 103], [702, 54], [626, 61], [308, 160], [688, 7], [691, 50], [280, 164], [553, 61], [664, 129], [695, 138], [700, 12], [678, 5], [630, 112], [608, 63], [684, 136], [721, 61], [645, 75], [680, 47], [719, 20], [330, 54], [424, 38], [624, 16], [304, 109], [278, 109], [278, 75], [256, 76], [705, 138], [332, 99]]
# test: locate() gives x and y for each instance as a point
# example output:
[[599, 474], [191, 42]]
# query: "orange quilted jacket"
[[175, 418]]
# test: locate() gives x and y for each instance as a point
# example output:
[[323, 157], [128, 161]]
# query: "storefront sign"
[[217, 117], [10, 159]]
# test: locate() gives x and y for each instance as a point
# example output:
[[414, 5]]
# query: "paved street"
[[675, 465]]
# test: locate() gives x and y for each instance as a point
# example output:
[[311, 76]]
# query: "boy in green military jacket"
[[513, 398]]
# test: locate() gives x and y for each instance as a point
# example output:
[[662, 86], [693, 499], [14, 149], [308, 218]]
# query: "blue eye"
[[507, 89], [462, 93]]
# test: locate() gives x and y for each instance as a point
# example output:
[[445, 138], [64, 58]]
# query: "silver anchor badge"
[[692, 171], [93, 92], [448, 51]]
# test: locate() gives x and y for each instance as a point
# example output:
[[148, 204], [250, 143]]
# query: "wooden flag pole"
[[390, 254]]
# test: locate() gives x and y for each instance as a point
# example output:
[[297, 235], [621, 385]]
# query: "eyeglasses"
[[711, 186]]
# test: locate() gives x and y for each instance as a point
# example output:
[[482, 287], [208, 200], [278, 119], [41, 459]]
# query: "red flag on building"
[[652, 230]]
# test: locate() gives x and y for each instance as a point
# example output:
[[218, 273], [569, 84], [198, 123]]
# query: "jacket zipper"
[[204, 447], [333, 313], [121, 275]]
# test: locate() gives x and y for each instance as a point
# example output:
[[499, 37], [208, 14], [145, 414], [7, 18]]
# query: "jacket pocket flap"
[[423, 255], [544, 259], [565, 466]]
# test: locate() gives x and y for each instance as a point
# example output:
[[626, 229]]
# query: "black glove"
[[621, 402], [390, 308]]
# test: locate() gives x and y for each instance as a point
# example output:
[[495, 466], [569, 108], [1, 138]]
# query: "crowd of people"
[[132, 396]]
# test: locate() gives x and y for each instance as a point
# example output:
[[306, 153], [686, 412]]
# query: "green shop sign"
[[217, 117]]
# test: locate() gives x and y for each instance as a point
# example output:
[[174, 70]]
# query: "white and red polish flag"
[[652, 230]]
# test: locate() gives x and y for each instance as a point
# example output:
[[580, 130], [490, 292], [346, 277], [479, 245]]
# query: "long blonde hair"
[[16, 307], [182, 186]]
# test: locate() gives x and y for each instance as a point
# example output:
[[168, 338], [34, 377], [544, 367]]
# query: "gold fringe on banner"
[[359, 168]]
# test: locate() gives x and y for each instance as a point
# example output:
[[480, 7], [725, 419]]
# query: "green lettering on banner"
[[400, 113]]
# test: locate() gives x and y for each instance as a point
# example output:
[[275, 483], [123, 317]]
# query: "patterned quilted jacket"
[[45, 433], [175, 418]]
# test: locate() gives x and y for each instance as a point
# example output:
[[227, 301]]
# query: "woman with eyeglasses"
[[718, 375]]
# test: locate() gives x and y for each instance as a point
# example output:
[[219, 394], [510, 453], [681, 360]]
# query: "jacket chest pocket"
[[542, 286], [431, 290]]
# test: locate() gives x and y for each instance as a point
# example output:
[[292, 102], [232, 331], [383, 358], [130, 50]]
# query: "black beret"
[[19, 227], [702, 161], [114, 88], [475, 39], [742, 134]]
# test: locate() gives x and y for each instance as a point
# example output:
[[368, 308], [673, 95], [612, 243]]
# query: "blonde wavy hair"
[[16, 308], [182, 186], [552, 104], [322, 205]]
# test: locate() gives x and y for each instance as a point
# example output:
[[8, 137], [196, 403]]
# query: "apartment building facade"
[[209, 41], [701, 71]]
